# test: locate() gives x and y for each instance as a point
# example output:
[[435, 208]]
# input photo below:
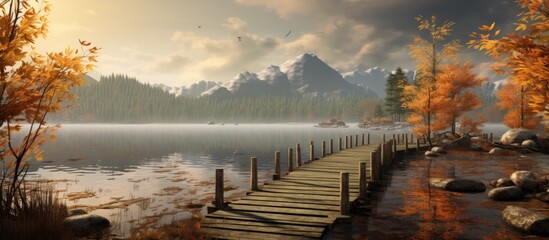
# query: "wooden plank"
[[282, 210], [279, 199], [319, 228], [311, 206], [246, 235], [264, 220], [299, 196], [312, 191], [272, 216], [304, 188], [250, 226]]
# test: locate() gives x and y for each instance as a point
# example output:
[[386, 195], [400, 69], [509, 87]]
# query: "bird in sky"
[[199, 26], [287, 34], [239, 38]]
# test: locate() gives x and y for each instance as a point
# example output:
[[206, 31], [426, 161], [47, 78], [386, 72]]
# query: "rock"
[[544, 197], [530, 144], [510, 193], [526, 220], [438, 150], [75, 212], [458, 185], [502, 182], [446, 142], [496, 151], [517, 135], [515, 144], [476, 147], [475, 139], [461, 143], [431, 154], [86, 224], [525, 180]]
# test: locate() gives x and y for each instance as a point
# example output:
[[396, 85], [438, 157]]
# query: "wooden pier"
[[310, 198]]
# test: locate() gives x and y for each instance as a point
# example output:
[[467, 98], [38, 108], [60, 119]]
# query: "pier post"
[[383, 138], [219, 202], [417, 147], [298, 154], [345, 207], [253, 175], [406, 144], [372, 166], [323, 148], [346, 142], [356, 140], [350, 141], [331, 146], [394, 146], [290, 159], [383, 156], [363, 139], [277, 166], [491, 137], [311, 152], [368, 138], [398, 138], [340, 145], [362, 180]]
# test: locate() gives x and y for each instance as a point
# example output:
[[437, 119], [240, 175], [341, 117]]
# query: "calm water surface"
[[142, 175]]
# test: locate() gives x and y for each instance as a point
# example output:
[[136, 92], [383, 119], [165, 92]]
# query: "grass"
[[41, 219], [184, 229]]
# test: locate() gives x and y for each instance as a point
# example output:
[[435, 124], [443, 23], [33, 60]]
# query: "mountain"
[[270, 81], [374, 78], [309, 75], [195, 90]]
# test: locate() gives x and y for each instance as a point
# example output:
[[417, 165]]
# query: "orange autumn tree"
[[454, 82], [524, 56], [430, 54], [519, 113], [32, 86]]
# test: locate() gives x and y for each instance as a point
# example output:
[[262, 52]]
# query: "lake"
[[147, 174]]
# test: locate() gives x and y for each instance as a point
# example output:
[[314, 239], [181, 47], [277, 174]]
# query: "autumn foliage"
[[524, 56], [32, 86]]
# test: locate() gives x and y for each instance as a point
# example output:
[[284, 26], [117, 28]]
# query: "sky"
[[179, 42]]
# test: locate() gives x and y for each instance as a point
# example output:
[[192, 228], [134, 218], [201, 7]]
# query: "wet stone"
[[431, 154], [526, 220], [458, 185], [502, 182], [510, 193], [525, 180], [86, 224], [438, 150]]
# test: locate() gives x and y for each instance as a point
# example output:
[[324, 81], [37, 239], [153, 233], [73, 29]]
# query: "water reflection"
[[409, 209]]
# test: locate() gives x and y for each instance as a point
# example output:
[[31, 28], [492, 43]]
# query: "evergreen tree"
[[394, 89]]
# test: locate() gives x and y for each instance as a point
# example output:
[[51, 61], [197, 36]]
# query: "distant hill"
[[374, 78]]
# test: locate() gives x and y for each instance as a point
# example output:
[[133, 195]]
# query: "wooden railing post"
[[277, 166], [368, 138], [363, 139], [219, 202], [356, 140], [311, 152], [398, 138], [383, 138], [346, 142], [290, 160], [362, 188], [340, 145], [383, 156], [406, 143], [345, 208], [417, 147], [395, 144], [351, 141], [298, 154], [491, 137], [323, 148], [331, 146], [253, 175], [372, 166]]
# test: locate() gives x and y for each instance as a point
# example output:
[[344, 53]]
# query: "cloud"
[[375, 32], [236, 24]]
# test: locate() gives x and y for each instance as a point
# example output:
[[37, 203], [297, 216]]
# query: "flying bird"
[[199, 26], [239, 38], [287, 34]]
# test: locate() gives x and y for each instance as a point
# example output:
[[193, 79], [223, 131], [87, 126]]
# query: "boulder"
[[502, 182], [496, 151], [510, 193], [431, 154], [529, 143], [75, 212], [525, 180], [526, 220], [446, 142], [517, 135], [457, 185], [438, 150], [476, 147], [461, 143], [86, 224]]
